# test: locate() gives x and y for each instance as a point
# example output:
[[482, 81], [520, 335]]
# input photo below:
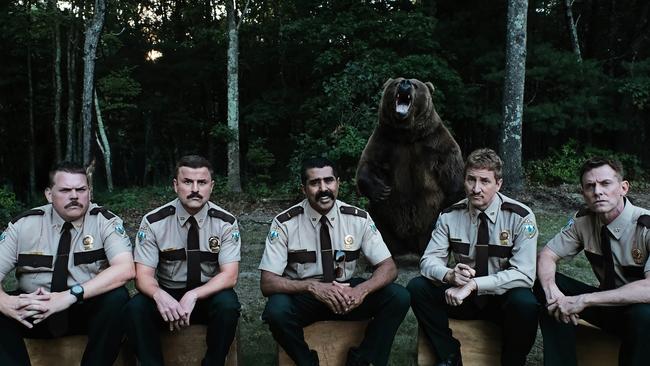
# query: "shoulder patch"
[[213, 212], [28, 213], [519, 210], [161, 214], [104, 211], [289, 214], [644, 220], [349, 210], [583, 212], [457, 206]]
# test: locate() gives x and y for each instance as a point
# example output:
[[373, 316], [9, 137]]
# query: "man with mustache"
[[615, 237], [493, 240], [72, 259], [187, 257], [307, 272]]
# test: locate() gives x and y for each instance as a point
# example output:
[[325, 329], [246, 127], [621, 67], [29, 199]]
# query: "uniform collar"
[[492, 211], [57, 221], [182, 215], [314, 216], [617, 226]]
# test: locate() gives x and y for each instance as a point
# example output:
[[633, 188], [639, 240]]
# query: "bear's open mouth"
[[403, 103]]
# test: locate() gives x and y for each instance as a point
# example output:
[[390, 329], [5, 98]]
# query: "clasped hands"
[[341, 298], [461, 279], [563, 308], [175, 313], [32, 308]]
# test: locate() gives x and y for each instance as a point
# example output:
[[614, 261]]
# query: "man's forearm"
[[637, 292], [384, 274], [226, 279], [114, 276], [271, 283], [546, 269]]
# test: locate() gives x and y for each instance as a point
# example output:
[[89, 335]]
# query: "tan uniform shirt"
[[162, 242], [512, 246], [293, 244], [31, 241], [630, 242]]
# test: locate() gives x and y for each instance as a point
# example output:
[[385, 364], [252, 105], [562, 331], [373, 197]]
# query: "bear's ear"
[[430, 86], [387, 83]]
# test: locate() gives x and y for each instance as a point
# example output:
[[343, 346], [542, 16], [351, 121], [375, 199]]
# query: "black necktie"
[[608, 260], [60, 274], [58, 322], [482, 240], [326, 251], [193, 255]]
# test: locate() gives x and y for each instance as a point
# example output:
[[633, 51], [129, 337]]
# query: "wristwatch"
[[78, 292]]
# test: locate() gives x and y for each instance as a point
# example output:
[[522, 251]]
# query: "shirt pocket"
[[210, 263], [91, 261], [303, 262], [170, 262]]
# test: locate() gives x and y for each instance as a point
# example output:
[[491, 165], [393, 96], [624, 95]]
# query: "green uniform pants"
[[516, 311], [220, 313], [100, 318], [288, 314], [631, 323]]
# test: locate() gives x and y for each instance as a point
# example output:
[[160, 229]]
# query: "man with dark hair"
[[615, 236], [72, 259], [493, 240], [187, 262], [307, 267]]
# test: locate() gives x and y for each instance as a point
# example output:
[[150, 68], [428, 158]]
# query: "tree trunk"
[[103, 144], [30, 102], [234, 176], [71, 52], [93, 32], [56, 76], [573, 32], [513, 94]]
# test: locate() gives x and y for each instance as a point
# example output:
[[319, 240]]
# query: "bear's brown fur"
[[411, 167]]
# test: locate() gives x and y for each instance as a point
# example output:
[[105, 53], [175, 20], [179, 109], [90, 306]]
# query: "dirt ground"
[[552, 206]]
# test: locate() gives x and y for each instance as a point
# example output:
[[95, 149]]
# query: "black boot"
[[453, 359]]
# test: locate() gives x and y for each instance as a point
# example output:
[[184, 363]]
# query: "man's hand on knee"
[[329, 294]]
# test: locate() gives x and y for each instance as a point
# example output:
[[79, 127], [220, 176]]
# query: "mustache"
[[74, 203], [320, 195], [194, 195]]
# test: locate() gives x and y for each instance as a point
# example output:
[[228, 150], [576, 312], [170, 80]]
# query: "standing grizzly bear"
[[411, 167]]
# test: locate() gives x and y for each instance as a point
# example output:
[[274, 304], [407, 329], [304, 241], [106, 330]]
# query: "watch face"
[[76, 289]]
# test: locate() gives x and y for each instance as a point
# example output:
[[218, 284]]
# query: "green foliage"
[[222, 133], [118, 90], [260, 160], [9, 206], [136, 198], [563, 165]]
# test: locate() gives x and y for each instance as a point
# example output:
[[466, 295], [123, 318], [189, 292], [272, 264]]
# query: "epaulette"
[[349, 210], [28, 213], [290, 213], [454, 207], [104, 211], [161, 214], [583, 212], [213, 212], [519, 210], [644, 220]]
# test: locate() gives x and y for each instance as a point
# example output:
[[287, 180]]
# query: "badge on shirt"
[[235, 235], [503, 237], [637, 255], [87, 242], [215, 245], [140, 237], [273, 234], [120, 230], [529, 228], [568, 224], [373, 227], [348, 241], [2, 236]]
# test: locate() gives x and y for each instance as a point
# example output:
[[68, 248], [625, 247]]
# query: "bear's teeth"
[[402, 108]]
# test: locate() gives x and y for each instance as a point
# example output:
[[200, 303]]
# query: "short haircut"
[[194, 162], [485, 159], [67, 167], [598, 161], [316, 162]]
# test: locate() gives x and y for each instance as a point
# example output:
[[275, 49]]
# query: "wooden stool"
[[187, 346], [63, 351], [595, 347], [480, 343], [331, 339]]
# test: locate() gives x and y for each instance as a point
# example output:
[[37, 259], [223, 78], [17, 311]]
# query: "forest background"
[[305, 79]]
